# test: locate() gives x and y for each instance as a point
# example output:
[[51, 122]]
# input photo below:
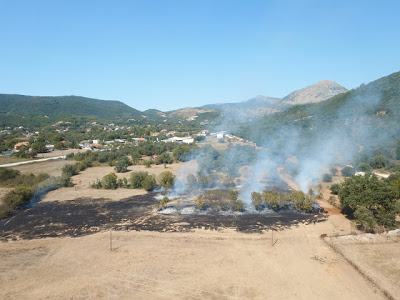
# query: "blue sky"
[[172, 54]]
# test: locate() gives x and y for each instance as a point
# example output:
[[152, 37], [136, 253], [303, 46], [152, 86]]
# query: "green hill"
[[368, 116], [37, 111]]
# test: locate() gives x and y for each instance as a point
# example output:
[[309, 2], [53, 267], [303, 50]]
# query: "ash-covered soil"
[[86, 216]]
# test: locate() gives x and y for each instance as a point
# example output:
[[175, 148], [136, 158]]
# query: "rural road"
[[31, 161]]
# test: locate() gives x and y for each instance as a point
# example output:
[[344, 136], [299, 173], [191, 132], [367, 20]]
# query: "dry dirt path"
[[31, 161]]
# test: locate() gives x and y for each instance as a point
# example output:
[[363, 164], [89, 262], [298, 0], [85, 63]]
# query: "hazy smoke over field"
[[306, 146]]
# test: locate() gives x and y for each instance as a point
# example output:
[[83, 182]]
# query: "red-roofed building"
[[17, 145]]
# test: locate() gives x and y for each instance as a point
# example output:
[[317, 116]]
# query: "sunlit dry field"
[[82, 243]]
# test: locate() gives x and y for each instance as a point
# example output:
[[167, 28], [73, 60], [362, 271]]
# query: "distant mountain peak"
[[317, 92]]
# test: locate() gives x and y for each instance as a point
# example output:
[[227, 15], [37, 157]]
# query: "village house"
[[17, 145]]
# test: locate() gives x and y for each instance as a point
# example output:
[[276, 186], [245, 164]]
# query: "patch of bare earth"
[[83, 180], [51, 167], [202, 264], [377, 256]]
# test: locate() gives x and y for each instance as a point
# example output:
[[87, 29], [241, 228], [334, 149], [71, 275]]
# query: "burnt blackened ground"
[[86, 216]]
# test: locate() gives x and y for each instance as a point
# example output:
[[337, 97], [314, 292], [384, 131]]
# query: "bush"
[[64, 181], [149, 183], [109, 181], [69, 170], [364, 167], [137, 178], [96, 184], [18, 197], [166, 179], [238, 205], [335, 189], [147, 163], [6, 174], [327, 177], [348, 171], [70, 156], [256, 199], [164, 202], [122, 165]]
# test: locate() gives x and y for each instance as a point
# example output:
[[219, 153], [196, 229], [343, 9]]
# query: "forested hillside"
[[19, 110], [368, 116]]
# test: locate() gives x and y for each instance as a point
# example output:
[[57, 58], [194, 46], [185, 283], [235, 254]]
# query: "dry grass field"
[[201, 264], [83, 180], [377, 256], [51, 167], [219, 263]]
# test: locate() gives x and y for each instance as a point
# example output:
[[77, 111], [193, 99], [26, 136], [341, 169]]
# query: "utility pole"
[[110, 239], [272, 234]]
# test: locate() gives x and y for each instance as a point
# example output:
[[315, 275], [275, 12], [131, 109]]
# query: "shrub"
[[96, 184], [64, 181], [18, 197], [70, 156], [166, 179], [327, 177], [335, 189], [122, 165], [147, 163], [69, 170], [109, 181], [364, 167], [164, 201], [137, 178], [256, 199], [332, 201], [348, 171], [7, 174], [149, 183], [238, 205]]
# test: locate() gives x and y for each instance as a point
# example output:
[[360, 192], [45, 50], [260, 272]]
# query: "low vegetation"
[[23, 187], [220, 200], [278, 200]]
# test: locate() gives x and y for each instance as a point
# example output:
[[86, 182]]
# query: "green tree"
[[256, 199], [348, 171], [365, 218], [136, 156], [59, 145], [302, 201], [364, 167], [327, 177], [137, 178], [109, 181], [335, 188], [370, 192], [39, 147], [166, 179], [122, 165], [149, 183]]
